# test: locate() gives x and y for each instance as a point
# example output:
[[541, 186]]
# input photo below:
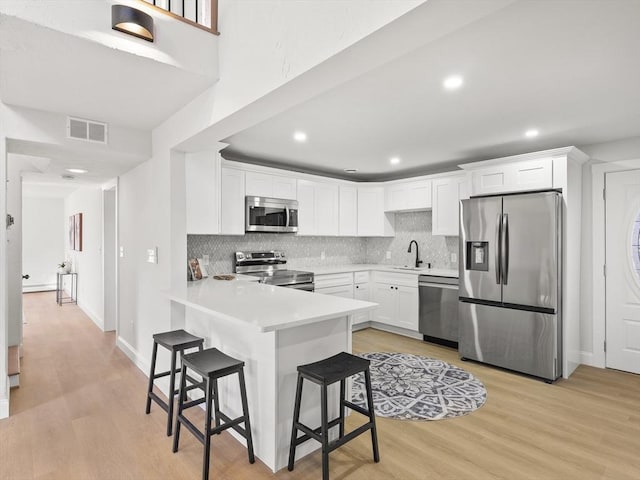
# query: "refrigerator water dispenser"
[[477, 256]]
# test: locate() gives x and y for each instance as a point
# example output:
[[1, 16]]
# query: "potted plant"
[[64, 267]]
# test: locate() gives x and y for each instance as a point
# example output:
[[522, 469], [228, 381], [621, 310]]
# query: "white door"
[[623, 270]]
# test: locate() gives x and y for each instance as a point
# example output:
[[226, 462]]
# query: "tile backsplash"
[[434, 249], [306, 251]]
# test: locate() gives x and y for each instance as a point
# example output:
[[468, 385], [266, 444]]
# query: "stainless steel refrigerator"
[[510, 282]]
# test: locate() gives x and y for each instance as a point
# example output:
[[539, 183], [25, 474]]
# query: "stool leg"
[[151, 375], [183, 385], [216, 404], [372, 416], [342, 394], [207, 432], [294, 428], [245, 412], [172, 389], [324, 432]]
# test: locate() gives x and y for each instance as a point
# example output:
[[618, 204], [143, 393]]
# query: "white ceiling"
[[571, 69], [51, 71]]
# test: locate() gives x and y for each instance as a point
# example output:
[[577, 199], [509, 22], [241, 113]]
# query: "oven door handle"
[[301, 286]]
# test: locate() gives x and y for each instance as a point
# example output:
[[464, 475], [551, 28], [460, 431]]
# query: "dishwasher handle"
[[438, 285]]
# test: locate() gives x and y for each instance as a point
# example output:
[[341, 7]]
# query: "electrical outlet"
[[454, 258], [121, 252], [322, 256], [388, 255], [205, 260]]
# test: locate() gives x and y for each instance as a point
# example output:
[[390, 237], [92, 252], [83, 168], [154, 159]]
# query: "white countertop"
[[324, 270], [266, 307]]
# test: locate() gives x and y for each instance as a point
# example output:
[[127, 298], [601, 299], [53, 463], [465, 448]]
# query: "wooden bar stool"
[[176, 341], [212, 364], [324, 373]]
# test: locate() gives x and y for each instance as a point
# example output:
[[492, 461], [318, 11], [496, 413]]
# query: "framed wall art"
[[78, 231]]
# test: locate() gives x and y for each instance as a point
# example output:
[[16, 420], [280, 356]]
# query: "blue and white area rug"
[[411, 387]]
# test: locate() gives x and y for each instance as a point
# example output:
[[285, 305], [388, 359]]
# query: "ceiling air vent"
[[87, 130]]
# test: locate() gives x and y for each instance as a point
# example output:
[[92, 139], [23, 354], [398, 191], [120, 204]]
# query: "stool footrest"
[[159, 401], [357, 408], [350, 436], [165, 374], [191, 427], [313, 434], [193, 403], [229, 423]]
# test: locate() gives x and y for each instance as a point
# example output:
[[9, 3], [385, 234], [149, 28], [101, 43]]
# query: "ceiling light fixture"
[[127, 19], [453, 82], [531, 133], [394, 160], [300, 137], [76, 170]]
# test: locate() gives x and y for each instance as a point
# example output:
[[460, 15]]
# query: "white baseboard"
[[95, 318], [133, 355], [397, 330], [588, 358], [4, 404], [39, 288]]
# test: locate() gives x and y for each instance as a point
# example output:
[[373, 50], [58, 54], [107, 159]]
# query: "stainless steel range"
[[271, 268]]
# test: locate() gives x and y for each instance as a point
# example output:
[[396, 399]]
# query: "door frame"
[[598, 258]]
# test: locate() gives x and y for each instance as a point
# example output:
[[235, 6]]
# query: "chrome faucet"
[[418, 261]]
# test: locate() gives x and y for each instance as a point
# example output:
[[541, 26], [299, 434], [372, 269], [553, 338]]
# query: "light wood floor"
[[79, 414]]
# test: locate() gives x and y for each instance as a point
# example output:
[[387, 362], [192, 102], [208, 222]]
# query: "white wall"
[[88, 262], [43, 241], [4, 379], [110, 257]]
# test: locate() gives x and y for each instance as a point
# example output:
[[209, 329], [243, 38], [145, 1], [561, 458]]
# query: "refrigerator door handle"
[[505, 249], [498, 248]]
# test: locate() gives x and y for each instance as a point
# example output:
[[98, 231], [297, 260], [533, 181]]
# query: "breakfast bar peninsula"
[[273, 330]]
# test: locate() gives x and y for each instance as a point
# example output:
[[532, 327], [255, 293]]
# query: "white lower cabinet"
[[398, 305], [361, 292], [345, 291]]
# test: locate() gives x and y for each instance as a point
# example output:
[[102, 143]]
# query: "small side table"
[[73, 290]]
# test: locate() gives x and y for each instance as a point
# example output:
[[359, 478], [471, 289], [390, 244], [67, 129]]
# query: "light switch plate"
[[152, 255], [454, 258], [205, 260], [388, 255], [322, 256]]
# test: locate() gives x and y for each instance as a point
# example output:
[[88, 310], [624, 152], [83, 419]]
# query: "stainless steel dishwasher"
[[439, 309]]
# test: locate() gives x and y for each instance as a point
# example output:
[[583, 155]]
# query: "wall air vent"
[[87, 130]]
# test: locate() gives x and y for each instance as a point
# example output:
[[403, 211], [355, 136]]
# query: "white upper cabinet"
[[318, 208], [267, 185], [533, 174], [447, 193], [202, 175], [348, 211], [407, 196], [232, 182], [372, 220]]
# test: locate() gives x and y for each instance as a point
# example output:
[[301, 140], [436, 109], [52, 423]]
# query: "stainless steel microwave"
[[276, 215]]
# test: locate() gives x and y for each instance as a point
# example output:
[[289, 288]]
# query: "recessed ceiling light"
[[453, 82], [394, 160], [76, 170], [300, 136], [531, 133], [350, 170]]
